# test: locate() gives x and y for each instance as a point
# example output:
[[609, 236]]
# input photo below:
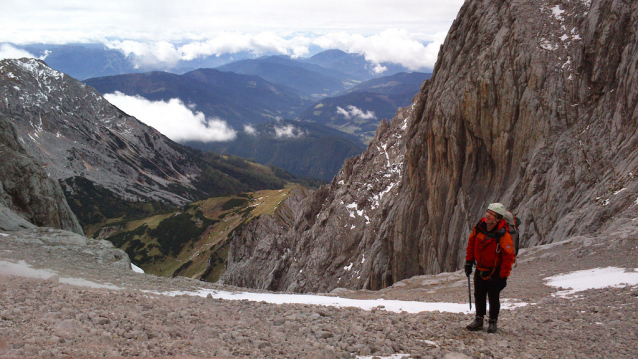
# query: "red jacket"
[[481, 247]]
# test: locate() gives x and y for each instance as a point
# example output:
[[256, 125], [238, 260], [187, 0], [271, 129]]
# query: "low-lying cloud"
[[355, 113], [8, 51], [415, 51], [288, 131], [174, 119], [250, 129], [412, 50]]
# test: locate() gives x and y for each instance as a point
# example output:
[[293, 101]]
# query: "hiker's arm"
[[469, 252], [508, 254]]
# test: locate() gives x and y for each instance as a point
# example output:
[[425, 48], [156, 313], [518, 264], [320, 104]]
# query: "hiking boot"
[[477, 324], [491, 327]]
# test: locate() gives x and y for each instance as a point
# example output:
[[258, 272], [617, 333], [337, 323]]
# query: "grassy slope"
[[200, 256]]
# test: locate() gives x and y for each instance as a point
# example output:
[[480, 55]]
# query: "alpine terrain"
[[531, 103], [97, 151]]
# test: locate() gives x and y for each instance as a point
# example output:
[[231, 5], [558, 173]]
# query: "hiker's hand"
[[468, 268]]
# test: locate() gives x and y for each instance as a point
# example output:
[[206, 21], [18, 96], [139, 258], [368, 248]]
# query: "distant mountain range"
[[301, 148], [354, 66], [245, 99], [83, 61], [314, 81], [360, 111], [402, 83], [237, 99]]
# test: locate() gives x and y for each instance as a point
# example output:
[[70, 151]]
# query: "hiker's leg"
[[480, 295], [494, 288]]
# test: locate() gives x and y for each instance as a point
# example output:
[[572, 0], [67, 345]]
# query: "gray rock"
[[28, 197]]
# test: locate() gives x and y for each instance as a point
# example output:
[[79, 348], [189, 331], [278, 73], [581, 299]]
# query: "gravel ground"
[[47, 318]]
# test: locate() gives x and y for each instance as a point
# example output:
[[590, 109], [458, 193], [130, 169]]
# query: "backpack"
[[513, 223]]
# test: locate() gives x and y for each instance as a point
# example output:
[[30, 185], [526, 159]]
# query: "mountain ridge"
[[109, 163], [217, 94]]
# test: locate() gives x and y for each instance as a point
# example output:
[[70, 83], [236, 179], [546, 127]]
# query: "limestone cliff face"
[[532, 103], [28, 197]]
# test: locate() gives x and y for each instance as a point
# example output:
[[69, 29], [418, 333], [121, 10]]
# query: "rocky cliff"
[[532, 104], [28, 197]]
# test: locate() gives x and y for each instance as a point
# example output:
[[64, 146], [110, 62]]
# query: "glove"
[[468, 268]]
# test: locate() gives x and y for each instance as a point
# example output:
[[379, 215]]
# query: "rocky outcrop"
[[28, 197], [532, 104], [74, 132], [256, 248]]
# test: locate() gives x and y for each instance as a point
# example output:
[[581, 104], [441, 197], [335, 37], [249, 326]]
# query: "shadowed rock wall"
[[28, 197]]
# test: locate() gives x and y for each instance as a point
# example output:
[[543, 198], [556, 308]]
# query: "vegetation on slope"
[[221, 175], [193, 241]]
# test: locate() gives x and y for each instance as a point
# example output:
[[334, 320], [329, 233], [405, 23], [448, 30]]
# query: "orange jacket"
[[482, 247]]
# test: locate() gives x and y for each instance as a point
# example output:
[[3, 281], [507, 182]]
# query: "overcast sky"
[[159, 33], [401, 31]]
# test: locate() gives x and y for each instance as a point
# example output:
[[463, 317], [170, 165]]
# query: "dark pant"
[[491, 289]]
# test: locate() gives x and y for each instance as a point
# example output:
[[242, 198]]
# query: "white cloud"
[[288, 131], [10, 52], [250, 129], [407, 32], [145, 55], [173, 118], [412, 50], [416, 51], [355, 113]]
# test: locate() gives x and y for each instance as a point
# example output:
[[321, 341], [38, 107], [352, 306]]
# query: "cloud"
[[407, 32], [355, 113], [173, 119], [288, 131], [158, 54], [10, 52], [416, 51], [250, 129]]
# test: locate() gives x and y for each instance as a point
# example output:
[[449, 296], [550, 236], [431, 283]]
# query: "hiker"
[[490, 245]]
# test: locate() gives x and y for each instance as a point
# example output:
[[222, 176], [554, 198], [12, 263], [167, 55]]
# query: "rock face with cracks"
[[28, 197], [531, 103]]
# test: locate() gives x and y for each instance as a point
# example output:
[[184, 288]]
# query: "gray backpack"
[[513, 223]]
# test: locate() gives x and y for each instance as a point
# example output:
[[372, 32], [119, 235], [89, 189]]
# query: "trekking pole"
[[469, 291]]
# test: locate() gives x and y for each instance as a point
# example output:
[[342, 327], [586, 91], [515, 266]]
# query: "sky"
[[408, 32], [157, 34]]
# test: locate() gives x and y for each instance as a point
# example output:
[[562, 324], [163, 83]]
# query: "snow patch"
[[23, 269], [558, 13], [620, 190], [396, 306], [548, 45], [596, 278], [137, 269], [348, 267]]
